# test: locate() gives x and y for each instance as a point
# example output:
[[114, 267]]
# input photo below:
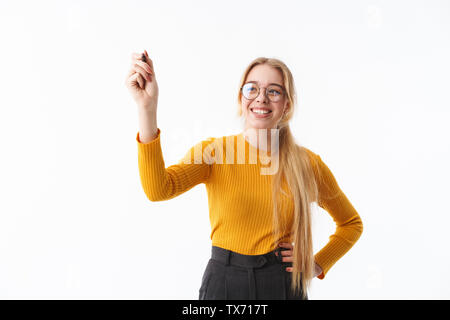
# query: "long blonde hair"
[[296, 170]]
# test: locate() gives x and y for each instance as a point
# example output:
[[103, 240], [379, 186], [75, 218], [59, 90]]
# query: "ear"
[[286, 107]]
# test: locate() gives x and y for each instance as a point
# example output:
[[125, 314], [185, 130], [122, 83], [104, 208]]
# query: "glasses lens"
[[250, 91], [275, 93]]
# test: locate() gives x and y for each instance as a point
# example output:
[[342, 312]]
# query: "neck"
[[264, 139]]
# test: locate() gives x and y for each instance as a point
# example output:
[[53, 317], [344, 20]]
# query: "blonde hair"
[[296, 170]]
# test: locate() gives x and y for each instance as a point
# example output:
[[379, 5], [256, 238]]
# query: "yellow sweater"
[[239, 196]]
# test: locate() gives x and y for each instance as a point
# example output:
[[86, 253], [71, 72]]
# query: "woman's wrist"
[[317, 270]]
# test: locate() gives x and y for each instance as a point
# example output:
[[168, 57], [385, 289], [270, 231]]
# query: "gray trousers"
[[230, 275]]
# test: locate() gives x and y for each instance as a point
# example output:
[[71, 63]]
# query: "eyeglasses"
[[250, 91]]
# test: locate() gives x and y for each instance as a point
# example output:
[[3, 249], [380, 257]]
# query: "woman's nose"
[[262, 95]]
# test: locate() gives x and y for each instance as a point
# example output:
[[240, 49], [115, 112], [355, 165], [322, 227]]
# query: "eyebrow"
[[276, 84]]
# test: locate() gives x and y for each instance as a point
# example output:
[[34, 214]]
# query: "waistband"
[[249, 261]]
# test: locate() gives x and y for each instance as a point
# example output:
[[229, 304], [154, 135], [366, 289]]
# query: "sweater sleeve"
[[161, 183], [349, 225]]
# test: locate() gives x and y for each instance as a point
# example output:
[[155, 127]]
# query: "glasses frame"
[[283, 91]]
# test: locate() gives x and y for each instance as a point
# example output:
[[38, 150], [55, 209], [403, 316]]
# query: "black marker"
[[144, 60]]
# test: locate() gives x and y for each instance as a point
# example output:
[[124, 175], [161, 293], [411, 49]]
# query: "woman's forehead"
[[259, 83], [264, 75]]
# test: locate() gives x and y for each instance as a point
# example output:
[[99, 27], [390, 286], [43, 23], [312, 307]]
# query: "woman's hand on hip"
[[287, 257]]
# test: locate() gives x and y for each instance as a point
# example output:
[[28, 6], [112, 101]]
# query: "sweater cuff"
[[324, 265]]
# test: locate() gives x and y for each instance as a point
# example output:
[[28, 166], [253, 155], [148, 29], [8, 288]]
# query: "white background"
[[372, 80]]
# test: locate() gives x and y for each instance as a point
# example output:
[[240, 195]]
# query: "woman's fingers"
[[286, 245], [142, 72], [149, 61], [136, 68], [132, 79], [141, 81], [141, 68], [147, 65], [287, 254], [144, 66], [138, 64], [288, 259]]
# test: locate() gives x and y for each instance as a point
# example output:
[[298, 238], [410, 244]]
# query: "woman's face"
[[263, 75]]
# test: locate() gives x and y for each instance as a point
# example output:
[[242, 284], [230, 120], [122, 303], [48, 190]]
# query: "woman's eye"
[[274, 92]]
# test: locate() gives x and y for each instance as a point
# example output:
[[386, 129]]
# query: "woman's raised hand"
[[141, 81]]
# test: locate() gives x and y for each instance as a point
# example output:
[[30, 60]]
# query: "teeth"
[[260, 111]]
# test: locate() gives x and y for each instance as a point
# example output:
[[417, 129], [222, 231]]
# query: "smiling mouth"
[[260, 112]]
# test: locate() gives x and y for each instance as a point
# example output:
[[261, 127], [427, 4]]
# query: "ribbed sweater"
[[240, 197]]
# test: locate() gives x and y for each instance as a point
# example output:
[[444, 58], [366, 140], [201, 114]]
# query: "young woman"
[[260, 220]]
